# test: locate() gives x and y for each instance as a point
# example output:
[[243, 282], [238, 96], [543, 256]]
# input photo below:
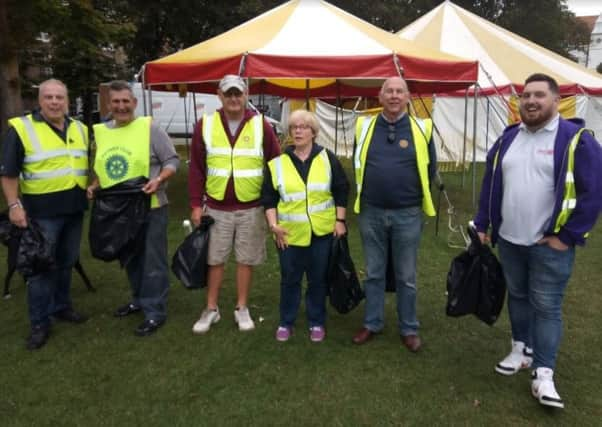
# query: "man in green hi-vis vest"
[[45, 159], [130, 147]]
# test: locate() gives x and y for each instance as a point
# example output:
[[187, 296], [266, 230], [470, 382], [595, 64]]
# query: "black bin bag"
[[29, 251], [189, 262], [117, 221], [475, 283], [344, 289]]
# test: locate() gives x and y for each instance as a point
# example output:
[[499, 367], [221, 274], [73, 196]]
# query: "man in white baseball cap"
[[230, 149]]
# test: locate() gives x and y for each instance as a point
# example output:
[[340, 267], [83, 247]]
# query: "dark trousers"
[[294, 262], [50, 292], [147, 270]]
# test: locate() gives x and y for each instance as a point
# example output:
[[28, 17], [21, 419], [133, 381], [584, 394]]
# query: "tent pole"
[[307, 94], [336, 118], [150, 101], [196, 119], [143, 89], [474, 147], [185, 100], [487, 126], [465, 130]]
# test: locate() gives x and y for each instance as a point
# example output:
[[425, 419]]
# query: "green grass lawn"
[[99, 373]]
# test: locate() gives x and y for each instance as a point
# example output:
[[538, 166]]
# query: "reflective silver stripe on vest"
[[323, 186], [292, 217], [569, 204], [33, 137], [53, 174], [247, 173], [81, 130], [286, 197], [247, 152], [569, 177], [321, 206], [218, 172], [421, 125], [258, 129], [207, 127], [54, 153]]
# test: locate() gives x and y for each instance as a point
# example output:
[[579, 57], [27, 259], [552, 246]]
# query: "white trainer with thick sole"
[[519, 358], [242, 317], [208, 318], [543, 389]]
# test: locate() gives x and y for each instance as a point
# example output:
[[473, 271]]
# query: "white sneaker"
[[208, 318], [542, 387], [519, 358], [243, 318]]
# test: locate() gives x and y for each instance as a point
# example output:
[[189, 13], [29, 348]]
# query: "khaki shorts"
[[244, 229]]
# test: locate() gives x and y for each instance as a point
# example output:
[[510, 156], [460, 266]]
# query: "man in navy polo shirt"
[[394, 162]]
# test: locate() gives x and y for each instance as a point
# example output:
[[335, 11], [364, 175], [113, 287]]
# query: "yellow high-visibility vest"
[[303, 208], [51, 164], [123, 153], [421, 134], [244, 162]]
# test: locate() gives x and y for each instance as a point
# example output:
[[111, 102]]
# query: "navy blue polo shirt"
[[40, 205], [391, 179]]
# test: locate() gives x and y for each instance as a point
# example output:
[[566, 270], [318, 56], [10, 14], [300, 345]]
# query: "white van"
[[173, 113]]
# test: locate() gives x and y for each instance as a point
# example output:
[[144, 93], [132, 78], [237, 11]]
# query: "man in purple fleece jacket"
[[541, 196]]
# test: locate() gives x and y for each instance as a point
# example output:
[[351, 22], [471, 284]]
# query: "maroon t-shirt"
[[197, 173]]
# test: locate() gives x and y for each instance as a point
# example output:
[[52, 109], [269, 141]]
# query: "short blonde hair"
[[306, 117]]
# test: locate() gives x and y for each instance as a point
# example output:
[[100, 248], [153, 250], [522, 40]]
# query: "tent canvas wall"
[[505, 60]]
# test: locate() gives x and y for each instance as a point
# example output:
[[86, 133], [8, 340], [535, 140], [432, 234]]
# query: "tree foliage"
[[86, 38]]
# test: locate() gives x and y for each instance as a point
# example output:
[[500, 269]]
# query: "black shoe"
[[70, 315], [148, 327], [39, 336], [126, 310]]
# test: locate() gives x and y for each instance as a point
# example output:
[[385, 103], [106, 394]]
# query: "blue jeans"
[[50, 292], [313, 261], [536, 277], [401, 228], [147, 270]]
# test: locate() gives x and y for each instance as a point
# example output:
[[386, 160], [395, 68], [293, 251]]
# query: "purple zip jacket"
[[587, 175]]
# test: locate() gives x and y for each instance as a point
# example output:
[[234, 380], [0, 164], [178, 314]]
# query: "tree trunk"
[[10, 87]]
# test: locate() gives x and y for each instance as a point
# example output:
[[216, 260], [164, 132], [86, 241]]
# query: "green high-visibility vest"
[[244, 162], [421, 134], [123, 153], [303, 208], [51, 164]]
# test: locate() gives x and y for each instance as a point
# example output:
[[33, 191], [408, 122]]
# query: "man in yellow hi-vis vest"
[[230, 149], [129, 147], [540, 196], [45, 157], [394, 161]]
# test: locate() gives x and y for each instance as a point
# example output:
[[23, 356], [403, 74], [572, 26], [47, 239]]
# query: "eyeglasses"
[[232, 93], [392, 136], [301, 126]]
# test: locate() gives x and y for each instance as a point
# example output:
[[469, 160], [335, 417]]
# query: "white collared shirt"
[[528, 187]]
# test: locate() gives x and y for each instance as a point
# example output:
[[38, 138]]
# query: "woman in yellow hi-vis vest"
[[305, 196]]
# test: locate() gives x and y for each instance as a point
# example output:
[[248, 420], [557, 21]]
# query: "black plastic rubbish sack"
[[29, 251], [117, 221], [475, 283], [189, 262], [344, 289]]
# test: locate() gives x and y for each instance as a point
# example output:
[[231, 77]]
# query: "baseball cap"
[[231, 80]]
